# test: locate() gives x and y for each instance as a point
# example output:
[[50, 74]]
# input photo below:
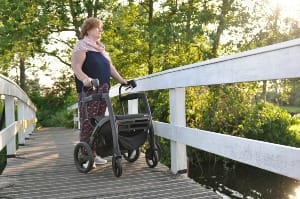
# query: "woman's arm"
[[77, 62], [116, 75]]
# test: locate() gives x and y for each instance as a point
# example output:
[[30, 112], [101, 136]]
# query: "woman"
[[90, 61]]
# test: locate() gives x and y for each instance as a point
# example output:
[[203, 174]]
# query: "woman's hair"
[[88, 24]]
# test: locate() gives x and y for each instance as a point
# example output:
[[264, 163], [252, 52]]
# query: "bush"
[[229, 110], [3, 159], [61, 118], [165, 151], [227, 107], [270, 123], [52, 109]]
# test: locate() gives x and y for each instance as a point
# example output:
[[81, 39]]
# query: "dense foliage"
[[234, 110], [53, 104]]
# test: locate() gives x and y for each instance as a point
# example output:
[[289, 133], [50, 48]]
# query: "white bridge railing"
[[16, 103], [272, 62]]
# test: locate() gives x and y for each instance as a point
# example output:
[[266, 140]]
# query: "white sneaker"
[[99, 160], [85, 165]]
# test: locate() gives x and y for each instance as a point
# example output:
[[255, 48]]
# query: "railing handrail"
[[26, 116], [277, 61], [252, 65], [9, 87]]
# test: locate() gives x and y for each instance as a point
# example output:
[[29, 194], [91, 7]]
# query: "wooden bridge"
[[44, 166]]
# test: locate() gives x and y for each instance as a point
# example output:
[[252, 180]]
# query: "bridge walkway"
[[44, 168]]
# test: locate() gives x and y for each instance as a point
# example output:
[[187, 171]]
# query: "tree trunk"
[[96, 5], [188, 23], [22, 73], [264, 91], [150, 42], [226, 6], [74, 20]]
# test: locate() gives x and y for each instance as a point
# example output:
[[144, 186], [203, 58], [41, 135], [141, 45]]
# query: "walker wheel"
[[132, 155], [83, 157], [117, 166], [153, 156]]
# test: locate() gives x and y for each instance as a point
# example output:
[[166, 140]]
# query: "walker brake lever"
[[95, 83]]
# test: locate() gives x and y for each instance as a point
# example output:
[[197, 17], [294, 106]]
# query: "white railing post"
[[177, 117], [10, 119], [27, 116], [32, 115], [133, 106], [30, 127], [21, 117]]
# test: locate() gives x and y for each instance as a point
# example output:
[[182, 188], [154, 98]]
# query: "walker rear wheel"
[[83, 157], [132, 155]]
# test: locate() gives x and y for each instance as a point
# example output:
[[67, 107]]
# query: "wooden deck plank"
[[44, 168]]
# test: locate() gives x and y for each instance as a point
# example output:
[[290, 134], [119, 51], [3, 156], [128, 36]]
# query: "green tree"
[[294, 97], [22, 33]]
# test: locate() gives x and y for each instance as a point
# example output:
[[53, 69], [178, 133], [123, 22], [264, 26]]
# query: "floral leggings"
[[89, 110]]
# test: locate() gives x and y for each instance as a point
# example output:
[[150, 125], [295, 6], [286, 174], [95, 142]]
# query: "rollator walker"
[[118, 135]]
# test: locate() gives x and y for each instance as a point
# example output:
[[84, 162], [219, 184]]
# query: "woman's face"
[[95, 32]]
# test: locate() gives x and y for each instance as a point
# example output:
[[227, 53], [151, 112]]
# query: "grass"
[[292, 109]]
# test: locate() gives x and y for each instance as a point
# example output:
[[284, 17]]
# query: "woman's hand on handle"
[[131, 83], [87, 82]]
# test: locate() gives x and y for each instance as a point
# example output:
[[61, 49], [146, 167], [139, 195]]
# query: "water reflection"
[[297, 193], [243, 181]]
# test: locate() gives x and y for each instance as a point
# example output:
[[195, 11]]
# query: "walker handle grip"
[[95, 83], [132, 83]]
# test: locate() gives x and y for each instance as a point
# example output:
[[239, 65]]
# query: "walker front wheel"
[[83, 157], [117, 166], [153, 156]]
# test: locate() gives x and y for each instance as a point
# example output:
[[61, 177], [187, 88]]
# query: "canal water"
[[244, 181]]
